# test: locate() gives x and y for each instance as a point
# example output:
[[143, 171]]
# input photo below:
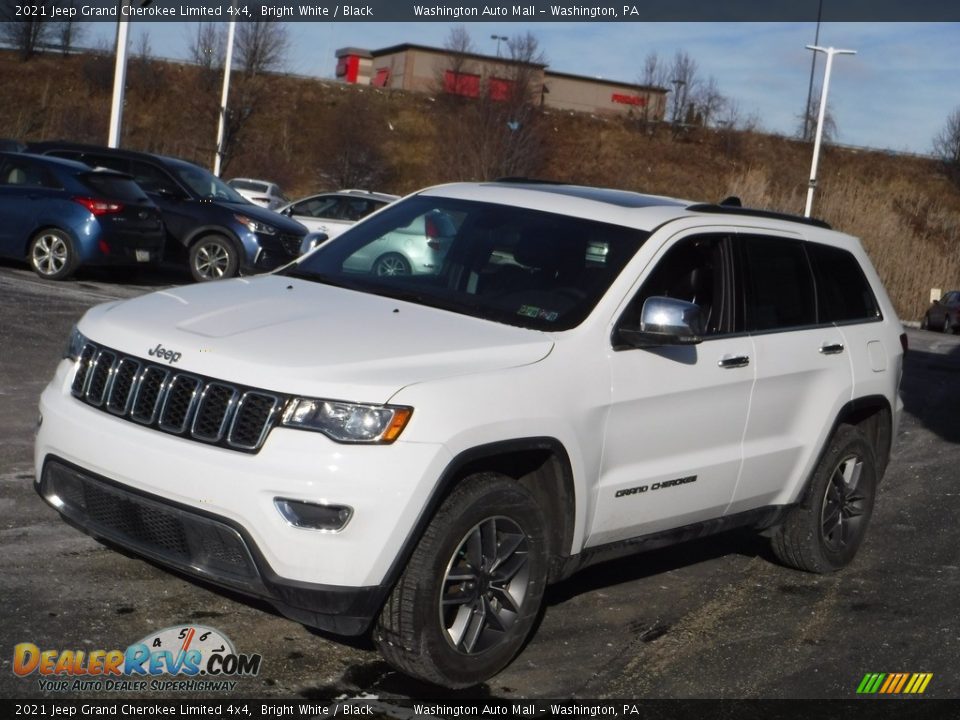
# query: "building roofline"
[[603, 81], [443, 51]]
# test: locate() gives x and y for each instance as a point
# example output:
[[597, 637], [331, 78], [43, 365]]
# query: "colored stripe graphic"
[[894, 683]]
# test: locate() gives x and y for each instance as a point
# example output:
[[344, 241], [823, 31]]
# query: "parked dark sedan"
[[59, 215], [216, 230], [943, 314]]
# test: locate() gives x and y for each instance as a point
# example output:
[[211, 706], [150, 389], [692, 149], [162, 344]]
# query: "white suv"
[[587, 372]]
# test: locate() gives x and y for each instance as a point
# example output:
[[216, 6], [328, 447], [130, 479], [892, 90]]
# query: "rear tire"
[[52, 255], [824, 531], [925, 322], [471, 592], [391, 264], [947, 325]]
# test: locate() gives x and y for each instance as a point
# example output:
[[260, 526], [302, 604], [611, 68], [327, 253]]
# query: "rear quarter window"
[[843, 292]]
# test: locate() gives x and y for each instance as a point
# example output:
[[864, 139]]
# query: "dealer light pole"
[[498, 38], [222, 128], [119, 75], [830, 52]]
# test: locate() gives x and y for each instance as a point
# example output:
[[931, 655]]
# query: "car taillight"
[[903, 342], [99, 207], [430, 229]]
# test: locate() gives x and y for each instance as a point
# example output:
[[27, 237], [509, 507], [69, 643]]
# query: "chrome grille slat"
[[183, 404], [99, 376], [124, 383]]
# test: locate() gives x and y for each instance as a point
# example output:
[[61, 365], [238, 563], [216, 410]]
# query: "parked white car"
[[581, 373], [332, 213], [259, 192]]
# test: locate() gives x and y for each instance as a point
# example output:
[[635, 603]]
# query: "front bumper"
[[218, 505], [199, 544]]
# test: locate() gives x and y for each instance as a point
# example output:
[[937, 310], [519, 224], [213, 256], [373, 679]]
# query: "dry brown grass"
[[905, 212]]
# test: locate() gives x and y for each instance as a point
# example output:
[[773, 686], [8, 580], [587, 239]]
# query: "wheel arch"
[[540, 464], [873, 416], [43, 226]]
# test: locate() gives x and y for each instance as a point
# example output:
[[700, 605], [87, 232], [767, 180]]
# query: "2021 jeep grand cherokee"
[[583, 373]]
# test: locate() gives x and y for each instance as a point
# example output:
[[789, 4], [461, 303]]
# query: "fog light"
[[313, 516]]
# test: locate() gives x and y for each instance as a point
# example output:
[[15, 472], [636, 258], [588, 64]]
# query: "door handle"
[[831, 348], [734, 361]]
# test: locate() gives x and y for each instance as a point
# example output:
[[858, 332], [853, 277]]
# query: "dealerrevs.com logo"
[[178, 658]]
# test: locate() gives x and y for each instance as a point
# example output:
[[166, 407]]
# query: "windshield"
[[522, 267], [206, 185]]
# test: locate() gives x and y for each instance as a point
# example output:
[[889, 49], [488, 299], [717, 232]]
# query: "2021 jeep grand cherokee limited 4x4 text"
[[583, 372]]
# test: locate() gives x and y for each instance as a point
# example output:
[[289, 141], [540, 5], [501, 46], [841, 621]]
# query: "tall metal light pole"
[[498, 38], [830, 52], [222, 128], [119, 76], [813, 69]]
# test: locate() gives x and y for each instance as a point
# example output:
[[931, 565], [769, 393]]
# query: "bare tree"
[[27, 37], [946, 145], [68, 32], [708, 102], [655, 75], [207, 48], [451, 73], [683, 77], [809, 122], [261, 46], [498, 131]]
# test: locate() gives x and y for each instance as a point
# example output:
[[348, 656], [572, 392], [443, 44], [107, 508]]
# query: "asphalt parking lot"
[[715, 618]]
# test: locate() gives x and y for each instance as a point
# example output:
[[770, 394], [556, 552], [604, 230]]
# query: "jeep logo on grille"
[[171, 356]]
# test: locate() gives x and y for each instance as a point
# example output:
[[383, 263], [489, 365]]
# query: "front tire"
[[947, 325], [471, 592], [213, 257], [823, 533], [52, 255]]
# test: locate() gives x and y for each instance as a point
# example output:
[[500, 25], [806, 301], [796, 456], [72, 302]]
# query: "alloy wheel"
[[50, 254], [843, 505], [485, 585]]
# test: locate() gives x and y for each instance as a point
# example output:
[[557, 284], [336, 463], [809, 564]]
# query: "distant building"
[[419, 68]]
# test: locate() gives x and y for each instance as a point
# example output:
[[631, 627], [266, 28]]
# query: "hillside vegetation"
[[311, 135]]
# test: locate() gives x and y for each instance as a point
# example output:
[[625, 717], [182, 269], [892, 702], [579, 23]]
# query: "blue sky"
[[894, 94]]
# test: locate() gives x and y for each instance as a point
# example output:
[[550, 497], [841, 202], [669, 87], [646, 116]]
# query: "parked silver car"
[[259, 192], [416, 249], [332, 213]]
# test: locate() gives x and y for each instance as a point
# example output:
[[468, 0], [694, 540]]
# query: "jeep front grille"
[[183, 404]]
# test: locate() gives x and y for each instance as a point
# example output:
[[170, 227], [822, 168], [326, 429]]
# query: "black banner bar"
[[455, 11], [489, 709]]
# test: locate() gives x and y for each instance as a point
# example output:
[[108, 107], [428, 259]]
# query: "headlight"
[[74, 344], [348, 422], [255, 225]]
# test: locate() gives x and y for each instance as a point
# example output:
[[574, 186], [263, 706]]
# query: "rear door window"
[[778, 284]]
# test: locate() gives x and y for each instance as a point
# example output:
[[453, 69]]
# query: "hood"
[[262, 214], [299, 337]]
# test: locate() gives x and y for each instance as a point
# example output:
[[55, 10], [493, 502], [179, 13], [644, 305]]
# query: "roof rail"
[[753, 212], [530, 181]]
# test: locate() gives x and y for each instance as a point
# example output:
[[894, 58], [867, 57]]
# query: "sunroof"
[[622, 198]]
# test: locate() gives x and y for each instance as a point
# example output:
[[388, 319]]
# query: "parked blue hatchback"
[[60, 215], [209, 224]]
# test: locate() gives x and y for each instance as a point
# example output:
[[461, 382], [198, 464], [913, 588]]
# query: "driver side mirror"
[[665, 321]]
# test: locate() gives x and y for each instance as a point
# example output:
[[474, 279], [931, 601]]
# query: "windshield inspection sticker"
[[532, 311]]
